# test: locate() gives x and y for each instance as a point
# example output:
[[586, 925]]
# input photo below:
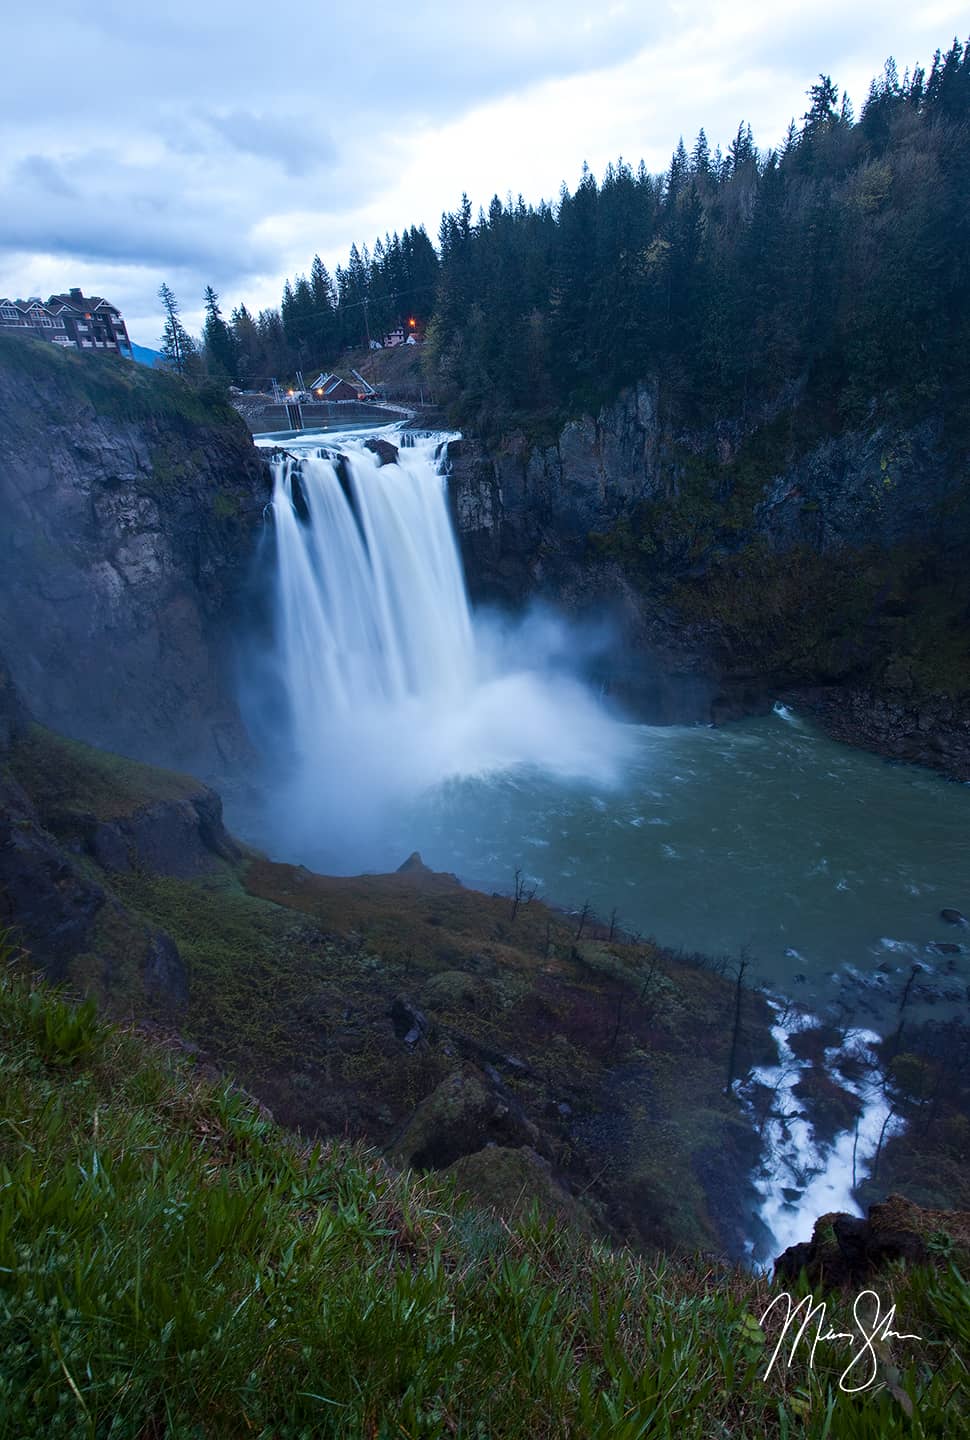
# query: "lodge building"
[[86, 322]]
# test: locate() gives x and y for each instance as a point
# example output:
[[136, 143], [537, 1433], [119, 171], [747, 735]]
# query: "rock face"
[[753, 561], [71, 818], [131, 510]]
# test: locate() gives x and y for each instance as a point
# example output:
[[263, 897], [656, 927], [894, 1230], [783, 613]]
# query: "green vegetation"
[[294, 977], [928, 1070], [67, 777], [99, 384], [174, 1265], [833, 266]]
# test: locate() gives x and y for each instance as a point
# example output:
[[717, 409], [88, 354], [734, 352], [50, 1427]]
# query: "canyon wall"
[[132, 508], [775, 556]]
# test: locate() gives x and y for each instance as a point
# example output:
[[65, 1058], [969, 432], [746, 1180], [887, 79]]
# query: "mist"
[[382, 684]]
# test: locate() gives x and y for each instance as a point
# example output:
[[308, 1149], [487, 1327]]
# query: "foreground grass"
[[172, 1264]]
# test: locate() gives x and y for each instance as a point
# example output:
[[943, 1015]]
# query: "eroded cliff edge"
[[132, 505], [779, 556]]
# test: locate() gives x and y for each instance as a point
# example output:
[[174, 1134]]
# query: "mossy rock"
[[455, 990], [461, 1115], [510, 1181]]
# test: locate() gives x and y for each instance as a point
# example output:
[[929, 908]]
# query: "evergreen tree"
[[217, 340], [246, 346], [178, 347]]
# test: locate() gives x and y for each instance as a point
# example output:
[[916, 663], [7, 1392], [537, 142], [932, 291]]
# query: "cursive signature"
[[871, 1330]]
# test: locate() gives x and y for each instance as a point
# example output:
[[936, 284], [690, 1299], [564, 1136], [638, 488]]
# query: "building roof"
[[76, 300], [328, 383]]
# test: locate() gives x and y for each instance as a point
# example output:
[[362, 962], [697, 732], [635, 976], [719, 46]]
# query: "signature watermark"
[[872, 1328]]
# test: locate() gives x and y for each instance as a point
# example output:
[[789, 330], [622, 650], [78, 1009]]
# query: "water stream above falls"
[[414, 725]]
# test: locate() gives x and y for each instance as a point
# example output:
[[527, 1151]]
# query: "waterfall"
[[391, 686], [372, 600]]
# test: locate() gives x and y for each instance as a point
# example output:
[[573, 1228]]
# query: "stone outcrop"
[[466, 1112], [742, 565], [386, 452], [131, 511], [846, 1250], [50, 898]]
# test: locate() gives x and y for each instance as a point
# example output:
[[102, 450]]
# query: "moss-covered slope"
[[174, 1265]]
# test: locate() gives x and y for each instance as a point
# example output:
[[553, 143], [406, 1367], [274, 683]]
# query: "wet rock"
[[181, 838], [141, 539], [811, 1044], [49, 899], [953, 917], [386, 452], [944, 947]]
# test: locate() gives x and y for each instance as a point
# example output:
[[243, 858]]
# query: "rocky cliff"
[[779, 555], [132, 505]]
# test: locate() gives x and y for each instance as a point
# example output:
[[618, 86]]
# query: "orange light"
[[412, 323], [319, 392], [289, 392]]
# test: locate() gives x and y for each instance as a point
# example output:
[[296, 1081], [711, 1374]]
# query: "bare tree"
[[521, 895], [616, 1027], [742, 966], [583, 917], [904, 1000]]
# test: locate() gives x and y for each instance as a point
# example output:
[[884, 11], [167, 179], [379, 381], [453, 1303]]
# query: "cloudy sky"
[[207, 142]]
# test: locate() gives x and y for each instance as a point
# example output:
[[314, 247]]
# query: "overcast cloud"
[[225, 143]]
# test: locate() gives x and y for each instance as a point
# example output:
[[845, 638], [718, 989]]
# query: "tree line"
[[838, 261], [319, 316]]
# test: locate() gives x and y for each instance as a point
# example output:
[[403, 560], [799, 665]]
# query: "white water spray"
[[391, 687], [800, 1177]]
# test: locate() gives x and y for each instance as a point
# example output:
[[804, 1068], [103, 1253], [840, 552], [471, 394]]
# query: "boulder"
[[465, 1112], [454, 990], [846, 1250], [386, 452], [953, 917]]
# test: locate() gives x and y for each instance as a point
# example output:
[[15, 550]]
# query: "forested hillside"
[[838, 263]]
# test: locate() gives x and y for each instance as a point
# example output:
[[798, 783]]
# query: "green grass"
[[174, 1265], [65, 777], [114, 388]]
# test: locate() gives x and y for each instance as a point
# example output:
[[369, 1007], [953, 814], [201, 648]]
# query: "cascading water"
[[391, 688]]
